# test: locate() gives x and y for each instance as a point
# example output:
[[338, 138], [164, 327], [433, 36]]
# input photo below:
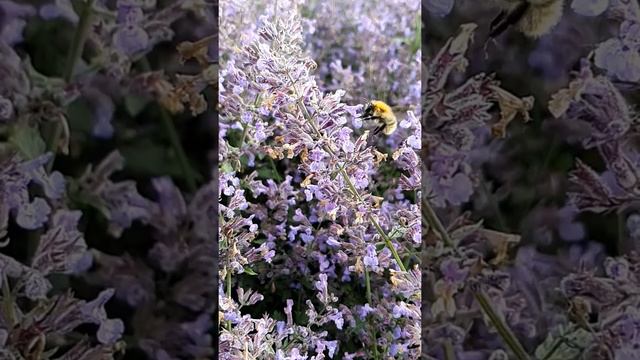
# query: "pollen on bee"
[[380, 106]]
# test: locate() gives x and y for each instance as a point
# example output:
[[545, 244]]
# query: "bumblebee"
[[533, 18], [382, 113]]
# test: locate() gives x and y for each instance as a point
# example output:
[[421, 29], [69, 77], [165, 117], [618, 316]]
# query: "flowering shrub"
[[531, 230], [106, 219], [319, 220]]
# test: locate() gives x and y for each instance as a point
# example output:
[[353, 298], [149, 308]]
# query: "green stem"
[[555, 347], [494, 204], [174, 139], [367, 279], [376, 355], [386, 239], [229, 294], [434, 222], [275, 170], [503, 329], [79, 38], [7, 302], [245, 129], [449, 353], [75, 52]]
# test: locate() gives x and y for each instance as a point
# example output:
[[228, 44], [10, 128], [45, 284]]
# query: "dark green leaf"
[[27, 141], [79, 117], [149, 159], [135, 104]]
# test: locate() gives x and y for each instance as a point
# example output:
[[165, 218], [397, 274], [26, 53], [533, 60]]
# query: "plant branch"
[[174, 139], [347, 179], [75, 52], [485, 304], [503, 329]]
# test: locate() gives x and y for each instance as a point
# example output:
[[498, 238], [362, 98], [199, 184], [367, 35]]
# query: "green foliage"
[[147, 158], [27, 141], [567, 344]]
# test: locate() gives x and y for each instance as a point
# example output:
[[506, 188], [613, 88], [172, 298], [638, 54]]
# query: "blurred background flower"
[[554, 198], [106, 211]]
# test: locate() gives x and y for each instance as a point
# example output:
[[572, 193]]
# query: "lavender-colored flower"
[[439, 8], [15, 178], [61, 315], [120, 203], [132, 281], [131, 39], [59, 9], [13, 20], [62, 247], [110, 331], [129, 13], [6, 109], [589, 7], [371, 259], [633, 226], [595, 101], [103, 109], [619, 59]]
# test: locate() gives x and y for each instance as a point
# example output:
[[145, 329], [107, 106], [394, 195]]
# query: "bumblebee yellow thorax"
[[381, 108]]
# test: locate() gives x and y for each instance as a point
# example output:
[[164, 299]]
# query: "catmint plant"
[[318, 240]]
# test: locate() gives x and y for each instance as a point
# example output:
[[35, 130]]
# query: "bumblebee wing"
[[501, 23]]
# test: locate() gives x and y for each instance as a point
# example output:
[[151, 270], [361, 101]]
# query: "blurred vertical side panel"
[[215, 51], [108, 179], [483, 294]]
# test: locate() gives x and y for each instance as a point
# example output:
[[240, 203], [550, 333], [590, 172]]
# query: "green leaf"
[[146, 158], [27, 141], [567, 344], [79, 115], [248, 271], [135, 104], [265, 173], [226, 167], [416, 41], [397, 232]]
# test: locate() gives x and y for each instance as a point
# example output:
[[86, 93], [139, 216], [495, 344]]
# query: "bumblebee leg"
[[502, 23], [497, 19], [378, 129]]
